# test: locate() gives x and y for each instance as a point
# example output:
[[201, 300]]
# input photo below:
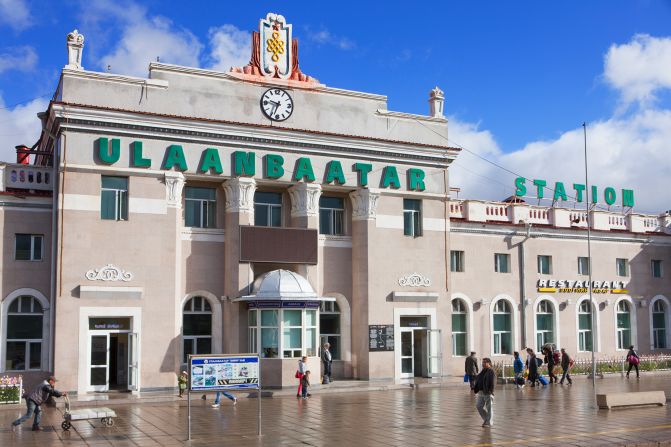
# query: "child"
[[182, 380], [305, 384], [300, 372]]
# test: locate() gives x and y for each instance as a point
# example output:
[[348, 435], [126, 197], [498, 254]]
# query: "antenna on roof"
[[158, 59]]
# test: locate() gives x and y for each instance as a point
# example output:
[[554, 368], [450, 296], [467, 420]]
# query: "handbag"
[[298, 375], [633, 360], [466, 378]]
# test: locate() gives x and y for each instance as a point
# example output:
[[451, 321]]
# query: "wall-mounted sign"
[[222, 372], [109, 324], [609, 193], [573, 286], [381, 337]]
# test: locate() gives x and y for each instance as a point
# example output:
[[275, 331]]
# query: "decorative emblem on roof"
[[274, 52], [108, 273], [414, 280]]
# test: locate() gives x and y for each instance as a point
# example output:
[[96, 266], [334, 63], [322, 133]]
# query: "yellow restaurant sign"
[[577, 286]]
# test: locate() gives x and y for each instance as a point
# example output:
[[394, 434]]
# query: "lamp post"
[[589, 266]]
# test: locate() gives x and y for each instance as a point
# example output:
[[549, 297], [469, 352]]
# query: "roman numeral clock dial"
[[276, 104]]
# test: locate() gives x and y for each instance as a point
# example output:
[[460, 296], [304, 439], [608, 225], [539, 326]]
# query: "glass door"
[[435, 353], [132, 362], [407, 353], [99, 363]]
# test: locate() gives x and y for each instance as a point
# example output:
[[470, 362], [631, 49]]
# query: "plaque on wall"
[[381, 337]]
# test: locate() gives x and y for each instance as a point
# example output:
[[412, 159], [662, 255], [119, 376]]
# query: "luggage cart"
[[103, 413]]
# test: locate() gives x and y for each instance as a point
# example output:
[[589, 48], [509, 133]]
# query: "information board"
[[381, 337], [223, 372]]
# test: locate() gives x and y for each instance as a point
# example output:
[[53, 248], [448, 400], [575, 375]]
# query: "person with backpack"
[[633, 359], [518, 368], [550, 360], [566, 364]]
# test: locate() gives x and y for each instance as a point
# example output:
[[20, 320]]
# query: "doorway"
[[421, 354], [112, 355]]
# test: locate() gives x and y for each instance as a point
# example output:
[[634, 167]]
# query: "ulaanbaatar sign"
[[609, 193], [573, 286]]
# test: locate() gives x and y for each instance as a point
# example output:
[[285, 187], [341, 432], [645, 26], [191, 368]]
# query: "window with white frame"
[[623, 315], [544, 264], [544, 324], [298, 329], [196, 327], [28, 247], [331, 216], [292, 333], [267, 209], [501, 263], [659, 324], [270, 342], [503, 335], [200, 207], [456, 261], [114, 198], [584, 326], [412, 217], [23, 348], [656, 266], [622, 267], [583, 265], [459, 327], [329, 327]]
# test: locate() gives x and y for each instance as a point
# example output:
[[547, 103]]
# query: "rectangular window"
[[656, 268], [200, 207], [331, 216], [456, 261], [583, 265], [412, 217], [267, 209], [544, 264], [621, 267], [114, 198], [459, 334], [28, 247], [501, 263]]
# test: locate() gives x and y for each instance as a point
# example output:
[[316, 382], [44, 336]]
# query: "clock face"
[[276, 104]]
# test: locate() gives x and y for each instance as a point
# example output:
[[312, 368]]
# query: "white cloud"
[[230, 47], [15, 14], [639, 68], [19, 58], [19, 126], [326, 37]]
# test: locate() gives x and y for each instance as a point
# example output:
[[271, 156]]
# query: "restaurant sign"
[[578, 286]]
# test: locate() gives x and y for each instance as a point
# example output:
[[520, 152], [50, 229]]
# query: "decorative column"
[[174, 184], [75, 43], [237, 276], [364, 204], [305, 214]]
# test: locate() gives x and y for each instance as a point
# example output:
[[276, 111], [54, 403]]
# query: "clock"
[[276, 104]]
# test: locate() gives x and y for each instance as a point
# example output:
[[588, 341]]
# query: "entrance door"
[[435, 366], [99, 361], [132, 362], [407, 353], [113, 361]]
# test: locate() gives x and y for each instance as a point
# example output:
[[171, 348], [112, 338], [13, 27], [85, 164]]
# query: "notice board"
[[381, 337]]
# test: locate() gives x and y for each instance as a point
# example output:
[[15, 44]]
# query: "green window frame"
[[200, 207], [412, 217], [659, 317], [585, 326], [331, 216], [28, 247], [267, 209], [459, 328], [113, 198]]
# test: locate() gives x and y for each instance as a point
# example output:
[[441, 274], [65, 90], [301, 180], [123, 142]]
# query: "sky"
[[520, 78]]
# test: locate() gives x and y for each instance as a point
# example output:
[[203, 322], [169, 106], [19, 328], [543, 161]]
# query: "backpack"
[[539, 362], [555, 356]]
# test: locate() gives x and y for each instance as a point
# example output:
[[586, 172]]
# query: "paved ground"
[[554, 416]]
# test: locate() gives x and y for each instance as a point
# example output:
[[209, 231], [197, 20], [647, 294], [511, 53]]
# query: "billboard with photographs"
[[223, 372]]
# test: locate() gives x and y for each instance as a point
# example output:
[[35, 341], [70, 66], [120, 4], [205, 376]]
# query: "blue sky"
[[519, 77]]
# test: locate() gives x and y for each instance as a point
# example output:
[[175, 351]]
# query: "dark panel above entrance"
[[280, 245]]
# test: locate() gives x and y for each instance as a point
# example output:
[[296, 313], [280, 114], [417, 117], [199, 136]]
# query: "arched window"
[[544, 324], [329, 327], [196, 327], [24, 334], [459, 327], [585, 326], [503, 336], [623, 325], [659, 325]]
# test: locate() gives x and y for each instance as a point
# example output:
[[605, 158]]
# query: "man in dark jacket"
[[327, 359], [471, 368], [533, 367], [34, 400], [565, 366], [484, 392], [550, 360]]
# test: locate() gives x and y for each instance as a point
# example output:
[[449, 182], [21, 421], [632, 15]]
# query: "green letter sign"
[[138, 160], [274, 167], [175, 157], [245, 163], [104, 153], [210, 160], [416, 179], [304, 170], [390, 178]]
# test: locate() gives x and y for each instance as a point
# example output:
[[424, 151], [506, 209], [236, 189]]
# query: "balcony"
[[278, 245], [26, 177]]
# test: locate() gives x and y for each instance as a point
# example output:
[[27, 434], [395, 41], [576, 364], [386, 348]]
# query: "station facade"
[[258, 210]]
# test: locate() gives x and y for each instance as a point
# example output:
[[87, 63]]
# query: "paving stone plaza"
[[429, 415]]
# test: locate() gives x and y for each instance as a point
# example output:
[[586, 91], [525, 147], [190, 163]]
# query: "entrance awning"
[[283, 289]]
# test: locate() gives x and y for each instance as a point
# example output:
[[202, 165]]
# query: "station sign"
[[559, 192], [223, 372], [578, 286]]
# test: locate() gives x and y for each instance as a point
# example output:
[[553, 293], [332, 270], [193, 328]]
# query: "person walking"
[[565, 366], [550, 360], [633, 359], [327, 359], [217, 398], [471, 368], [484, 392], [305, 383], [34, 402], [182, 380], [533, 367], [518, 368], [300, 372]]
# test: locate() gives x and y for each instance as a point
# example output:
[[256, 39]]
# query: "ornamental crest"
[[276, 46], [108, 273], [414, 280]]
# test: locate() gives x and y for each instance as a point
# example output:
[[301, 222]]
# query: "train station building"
[[259, 210]]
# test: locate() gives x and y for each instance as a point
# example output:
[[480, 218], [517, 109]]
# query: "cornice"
[[121, 79], [411, 116]]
